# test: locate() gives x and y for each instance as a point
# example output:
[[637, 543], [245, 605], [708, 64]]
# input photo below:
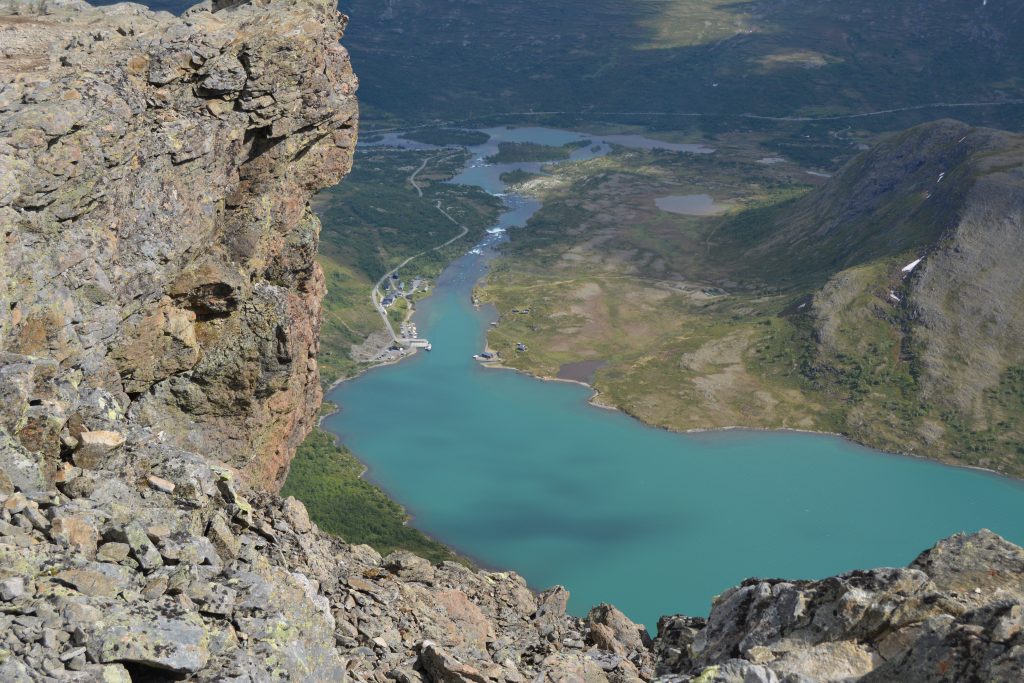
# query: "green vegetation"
[[328, 479], [718, 57], [522, 152], [447, 136], [348, 318], [398, 311], [375, 220], [790, 311], [1006, 430], [608, 276], [877, 205], [517, 177]]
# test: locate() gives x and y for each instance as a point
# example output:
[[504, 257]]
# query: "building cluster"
[[394, 289]]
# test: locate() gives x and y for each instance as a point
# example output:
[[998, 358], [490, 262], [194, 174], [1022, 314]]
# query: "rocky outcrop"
[[954, 615], [157, 266], [158, 565], [159, 306]]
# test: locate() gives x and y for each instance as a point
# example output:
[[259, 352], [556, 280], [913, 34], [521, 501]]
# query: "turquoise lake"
[[525, 475]]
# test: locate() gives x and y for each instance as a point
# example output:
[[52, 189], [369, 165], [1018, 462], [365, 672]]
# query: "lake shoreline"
[[510, 471], [595, 395], [592, 400], [741, 428], [366, 474]]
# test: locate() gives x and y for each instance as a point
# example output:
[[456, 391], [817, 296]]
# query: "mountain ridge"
[[954, 317], [793, 309], [159, 304]]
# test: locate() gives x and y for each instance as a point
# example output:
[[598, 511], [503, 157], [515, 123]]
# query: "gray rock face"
[[954, 615], [157, 259], [159, 635], [159, 306]]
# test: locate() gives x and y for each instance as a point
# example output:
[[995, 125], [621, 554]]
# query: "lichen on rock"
[[158, 241], [159, 311]]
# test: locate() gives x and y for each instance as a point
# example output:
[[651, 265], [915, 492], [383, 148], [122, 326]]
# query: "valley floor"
[[636, 277], [688, 336]]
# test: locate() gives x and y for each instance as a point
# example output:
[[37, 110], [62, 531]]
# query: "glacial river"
[[525, 475]]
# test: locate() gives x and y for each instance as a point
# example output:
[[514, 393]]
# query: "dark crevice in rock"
[[258, 141], [307, 147], [141, 672], [283, 352]]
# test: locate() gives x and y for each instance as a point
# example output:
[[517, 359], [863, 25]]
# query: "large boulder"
[[159, 635]]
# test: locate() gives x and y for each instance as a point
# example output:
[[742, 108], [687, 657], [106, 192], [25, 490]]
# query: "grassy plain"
[[740, 320], [608, 276]]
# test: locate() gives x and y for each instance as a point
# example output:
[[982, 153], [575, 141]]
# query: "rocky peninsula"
[[159, 317]]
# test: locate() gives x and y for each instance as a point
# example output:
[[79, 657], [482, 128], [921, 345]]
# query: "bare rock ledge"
[[159, 314]]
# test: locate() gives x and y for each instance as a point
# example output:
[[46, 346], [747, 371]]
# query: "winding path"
[[375, 292]]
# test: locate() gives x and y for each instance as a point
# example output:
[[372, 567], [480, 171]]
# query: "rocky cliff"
[[158, 264], [158, 328]]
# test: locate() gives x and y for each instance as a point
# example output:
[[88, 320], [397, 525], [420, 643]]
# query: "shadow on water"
[[525, 474]]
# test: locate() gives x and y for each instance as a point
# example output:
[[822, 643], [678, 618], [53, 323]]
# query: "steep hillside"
[[903, 194], [791, 309], [954, 325], [160, 302]]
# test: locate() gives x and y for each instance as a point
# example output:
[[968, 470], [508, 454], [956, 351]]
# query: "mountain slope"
[[955, 332], [903, 194], [792, 313]]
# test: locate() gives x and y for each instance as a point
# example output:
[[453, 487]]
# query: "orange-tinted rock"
[[77, 532], [93, 447], [154, 200]]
